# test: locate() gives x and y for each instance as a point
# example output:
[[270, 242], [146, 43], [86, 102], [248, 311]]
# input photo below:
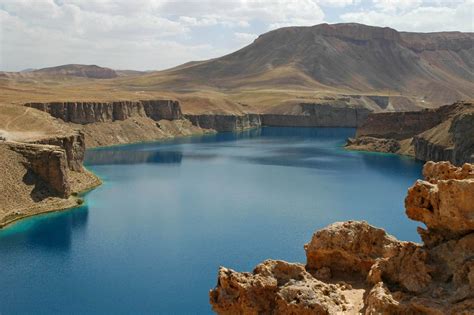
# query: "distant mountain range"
[[409, 70], [87, 71], [435, 66]]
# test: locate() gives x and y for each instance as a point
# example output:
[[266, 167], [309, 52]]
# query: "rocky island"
[[352, 267]]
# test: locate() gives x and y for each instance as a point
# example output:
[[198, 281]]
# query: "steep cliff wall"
[[74, 147], [48, 162], [402, 125], [443, 134], [95, 112], [225, 122], [317, 115]]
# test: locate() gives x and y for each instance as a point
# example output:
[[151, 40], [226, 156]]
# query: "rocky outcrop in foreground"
[[442, 134], [354, 268]]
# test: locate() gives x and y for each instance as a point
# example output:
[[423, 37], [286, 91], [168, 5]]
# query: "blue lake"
[[151, 239]]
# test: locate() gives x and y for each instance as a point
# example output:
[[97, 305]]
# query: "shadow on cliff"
[[41, 190]]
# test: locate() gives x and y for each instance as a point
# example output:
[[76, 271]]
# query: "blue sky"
[[158, 34]]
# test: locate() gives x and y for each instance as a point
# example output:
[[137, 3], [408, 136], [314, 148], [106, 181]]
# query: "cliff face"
[[48, 162], [317, 115], [402, 125], [355, 268], [225, 122], [292, 115], [74, 147], [443, 134], [94, 112]]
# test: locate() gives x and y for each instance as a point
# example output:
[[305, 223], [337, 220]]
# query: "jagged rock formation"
[[315, 115], [446, 133], [273, 288], [436, 277], [348, 247]]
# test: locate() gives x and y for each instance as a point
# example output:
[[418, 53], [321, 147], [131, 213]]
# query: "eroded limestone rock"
[[436, 277], [445, 203], [275, 287], [351, 246]]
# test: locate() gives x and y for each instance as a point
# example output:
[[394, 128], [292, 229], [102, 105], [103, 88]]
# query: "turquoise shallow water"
[[150, 240]]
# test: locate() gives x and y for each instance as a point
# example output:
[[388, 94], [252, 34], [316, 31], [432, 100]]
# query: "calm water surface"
[[151, 239]]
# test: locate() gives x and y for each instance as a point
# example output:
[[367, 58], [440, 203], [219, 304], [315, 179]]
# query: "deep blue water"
[[151, 239]]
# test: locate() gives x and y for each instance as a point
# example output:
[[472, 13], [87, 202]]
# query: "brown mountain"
[[436, 67], [87, 71]]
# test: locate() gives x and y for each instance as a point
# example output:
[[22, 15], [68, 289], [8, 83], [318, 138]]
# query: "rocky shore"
[[442, 134], [353, 267], [42, 147], [42, 176]]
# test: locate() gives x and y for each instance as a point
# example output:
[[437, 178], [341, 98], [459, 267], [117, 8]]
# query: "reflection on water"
[[151, 239], [53, 231], [132, 157]]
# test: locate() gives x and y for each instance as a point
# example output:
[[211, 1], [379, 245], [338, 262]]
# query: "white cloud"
[[338, 3], [394, 5], [421, 19], [147, 34], [245, 38]]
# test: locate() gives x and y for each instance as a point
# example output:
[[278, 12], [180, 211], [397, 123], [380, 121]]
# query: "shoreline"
[[78, 201], [75, 197]]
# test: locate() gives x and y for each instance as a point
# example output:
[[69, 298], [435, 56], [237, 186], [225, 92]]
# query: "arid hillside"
[[377, 68], [432, 67]]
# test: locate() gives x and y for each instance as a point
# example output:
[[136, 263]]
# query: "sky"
[[159, 34]]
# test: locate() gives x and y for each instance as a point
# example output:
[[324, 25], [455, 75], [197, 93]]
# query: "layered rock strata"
[[121, 122], [395, 277], [48, 162], [43, 175], [317, 115], [443, 134], [225, 122], [94, 112]]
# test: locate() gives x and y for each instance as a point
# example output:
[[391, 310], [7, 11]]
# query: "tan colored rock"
[[446, 204], [433, 171], [351, 246], [408, 268], [436, 277], [373, 144], [275, 287], [380, 300], [48, 162]]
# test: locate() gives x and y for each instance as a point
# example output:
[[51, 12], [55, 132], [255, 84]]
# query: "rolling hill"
[[435, 67]]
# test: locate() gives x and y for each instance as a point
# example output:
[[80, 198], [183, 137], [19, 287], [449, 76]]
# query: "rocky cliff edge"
[[353, 267]]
